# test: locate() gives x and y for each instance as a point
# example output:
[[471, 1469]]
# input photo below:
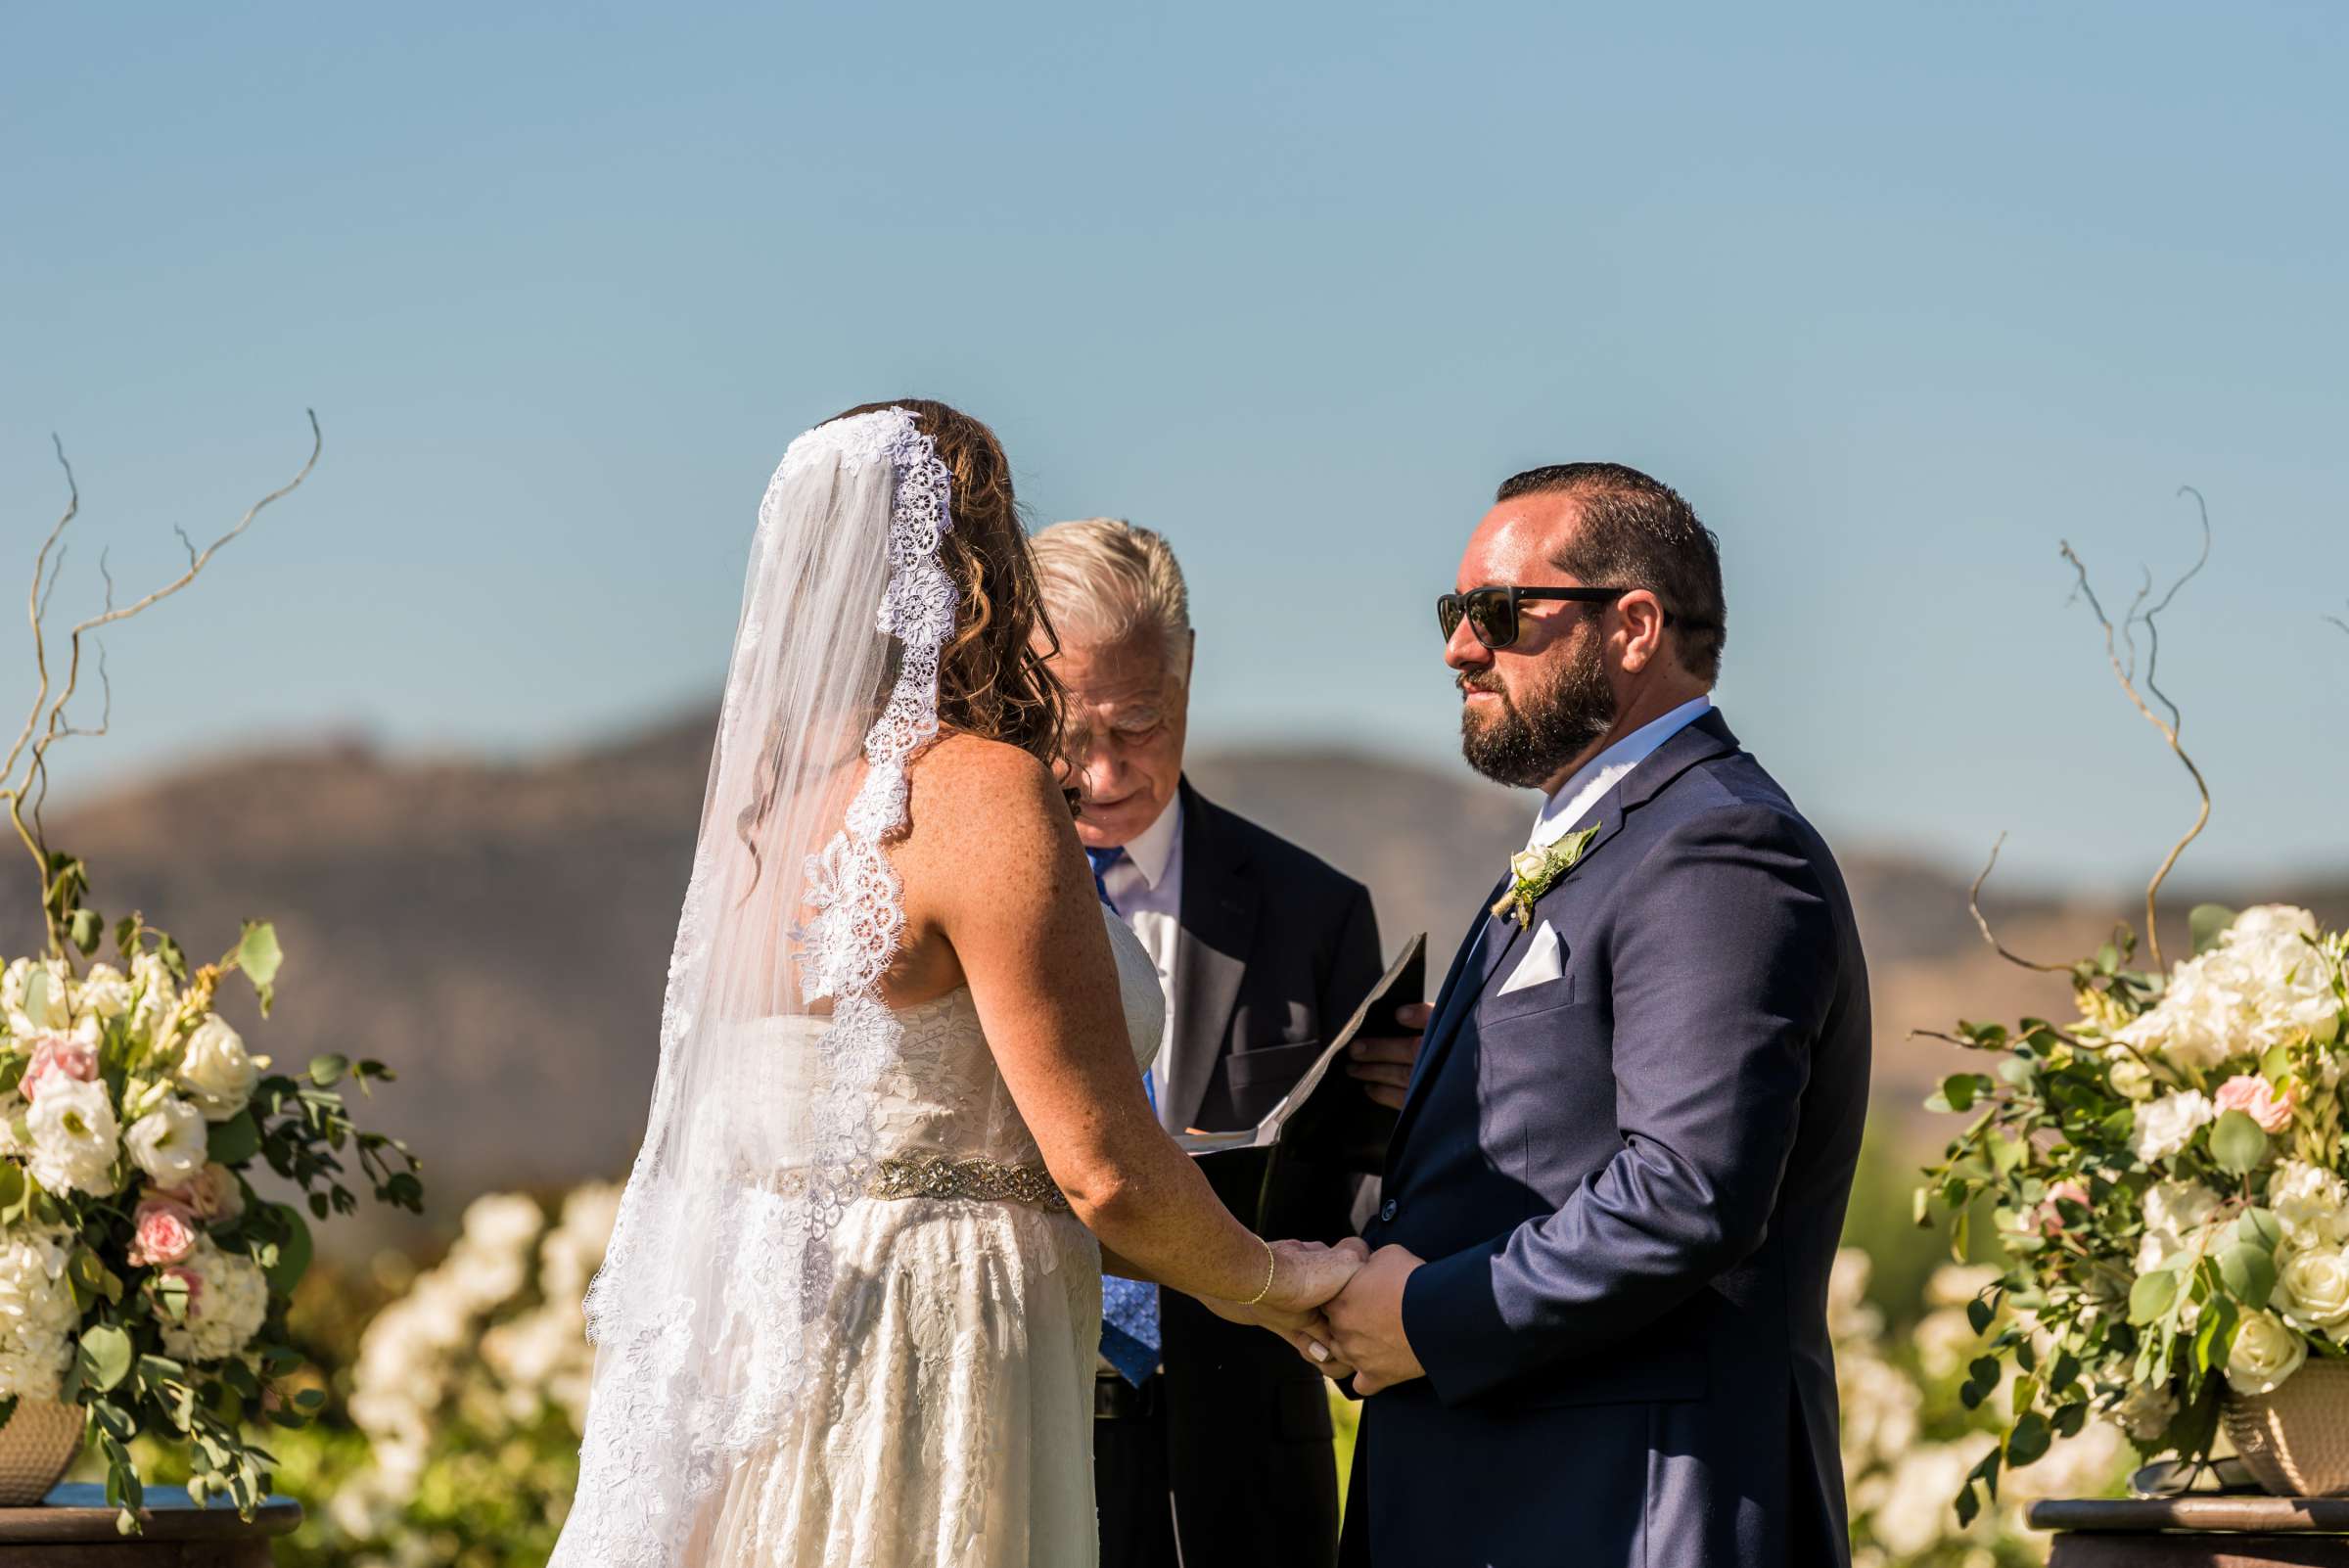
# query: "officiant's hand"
[[1365, 1320], [1383, 1064]]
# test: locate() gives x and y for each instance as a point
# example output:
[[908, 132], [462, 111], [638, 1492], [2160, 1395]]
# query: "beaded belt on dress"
[[938, 1175]]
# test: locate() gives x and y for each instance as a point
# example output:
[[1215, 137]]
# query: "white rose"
[[2168, 1124], [2131, 1079], [2311, 1287], [2265, 1353], [2145, 1413], [168, 1142], [216, 1071], [75, 1138], [2311, 1203]]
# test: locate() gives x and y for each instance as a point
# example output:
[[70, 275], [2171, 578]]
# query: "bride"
[[851, 1303]]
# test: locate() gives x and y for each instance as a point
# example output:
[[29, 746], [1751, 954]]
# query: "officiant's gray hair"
[[1103, 580]]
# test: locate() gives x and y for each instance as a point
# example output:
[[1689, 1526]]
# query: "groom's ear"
[[1644, 628]]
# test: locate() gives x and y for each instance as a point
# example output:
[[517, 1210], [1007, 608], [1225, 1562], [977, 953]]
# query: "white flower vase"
[[2295, 1440], [37, 1446]]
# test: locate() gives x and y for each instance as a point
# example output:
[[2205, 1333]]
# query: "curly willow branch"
[[2115, 639], [1973, 904], [46, 724]]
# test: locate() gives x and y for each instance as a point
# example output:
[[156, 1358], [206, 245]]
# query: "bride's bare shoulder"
[[973, 795]]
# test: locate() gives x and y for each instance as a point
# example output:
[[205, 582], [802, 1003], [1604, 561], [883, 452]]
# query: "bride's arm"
[[1003, 879]]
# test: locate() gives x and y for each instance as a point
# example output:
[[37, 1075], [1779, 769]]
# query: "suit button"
[[1386, 1212]]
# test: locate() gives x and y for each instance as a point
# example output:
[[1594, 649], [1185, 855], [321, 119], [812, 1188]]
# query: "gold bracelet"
[[1271, 1268]]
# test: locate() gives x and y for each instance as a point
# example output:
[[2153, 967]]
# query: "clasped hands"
[[1341, 1308]]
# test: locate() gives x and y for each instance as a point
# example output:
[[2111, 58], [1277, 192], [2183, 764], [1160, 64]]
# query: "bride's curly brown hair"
[[991, 679]]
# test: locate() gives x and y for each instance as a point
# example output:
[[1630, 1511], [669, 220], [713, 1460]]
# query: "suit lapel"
[[1703, 739], [1471, 965], [1211, 955]]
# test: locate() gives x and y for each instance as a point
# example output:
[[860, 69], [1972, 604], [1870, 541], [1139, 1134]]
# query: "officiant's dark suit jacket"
[[1628, 1184], [1277, 949]]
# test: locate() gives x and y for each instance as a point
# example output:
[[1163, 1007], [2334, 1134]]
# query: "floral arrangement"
[[143, 1277], [2165, 1176], [469, 1391], [1909, 1439]]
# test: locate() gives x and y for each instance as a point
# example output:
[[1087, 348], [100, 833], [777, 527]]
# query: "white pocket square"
[[1543, 961]]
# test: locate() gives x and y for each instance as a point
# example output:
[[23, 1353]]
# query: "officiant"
[[1211, 1441]]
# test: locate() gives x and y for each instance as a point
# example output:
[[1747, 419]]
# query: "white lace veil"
[[710, 1304]]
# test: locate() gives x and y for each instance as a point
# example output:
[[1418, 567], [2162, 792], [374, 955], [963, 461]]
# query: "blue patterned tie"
[[1101, 860], [1130, 1336]]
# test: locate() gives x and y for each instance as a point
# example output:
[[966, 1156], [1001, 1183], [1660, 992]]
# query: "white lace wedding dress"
[[951, 1425]]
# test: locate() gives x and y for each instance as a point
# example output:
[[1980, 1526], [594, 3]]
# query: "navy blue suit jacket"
[[1628, 1184]]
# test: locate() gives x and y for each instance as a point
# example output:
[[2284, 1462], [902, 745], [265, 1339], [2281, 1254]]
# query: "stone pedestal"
[[76, 1529], [2191, 1532]]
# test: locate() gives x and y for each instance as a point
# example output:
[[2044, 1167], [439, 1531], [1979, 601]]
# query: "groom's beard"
[[1523, 746]]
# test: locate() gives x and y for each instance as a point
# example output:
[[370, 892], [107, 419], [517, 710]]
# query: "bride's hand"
[[1306, 1275]]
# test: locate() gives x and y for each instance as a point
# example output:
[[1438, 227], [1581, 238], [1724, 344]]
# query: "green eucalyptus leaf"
[[1979, 1312], [2028, 1440], [2207, 924], [2153, 1296], [327, 1071], [105, 1356], [234, 1141], [2259, 1228], [292, 1251], [2236, 1143], [2249, 1273]]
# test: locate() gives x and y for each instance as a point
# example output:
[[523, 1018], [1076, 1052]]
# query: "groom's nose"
[[1462, 650]]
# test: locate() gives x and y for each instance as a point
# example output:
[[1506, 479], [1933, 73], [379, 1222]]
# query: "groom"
[[1592, 1329]]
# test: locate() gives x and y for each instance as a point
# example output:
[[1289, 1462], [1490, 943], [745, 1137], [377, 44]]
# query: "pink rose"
[[161, 1232], [2257, 1099], [211, 1195], [56, 1056], [2050, 1219]]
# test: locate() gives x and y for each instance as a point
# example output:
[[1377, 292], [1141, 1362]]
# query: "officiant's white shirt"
[[1145, 888], [1565, 810]]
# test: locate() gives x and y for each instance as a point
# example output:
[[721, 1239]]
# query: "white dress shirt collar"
[[1565, 810], [1153, 850]]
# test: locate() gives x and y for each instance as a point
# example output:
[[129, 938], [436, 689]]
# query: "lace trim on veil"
[[684, 1387]]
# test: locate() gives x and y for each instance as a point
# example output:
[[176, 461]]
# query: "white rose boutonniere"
[[1534, 872]]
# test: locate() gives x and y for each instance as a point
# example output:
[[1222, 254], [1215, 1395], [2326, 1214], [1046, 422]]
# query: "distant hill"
[[500, 932]]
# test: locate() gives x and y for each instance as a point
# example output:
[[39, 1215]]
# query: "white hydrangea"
[[103, 993], [38, 1314], [229, 1300], [2176, 1214], [216, 1071], [168, 1142], [2166, 1125], [2309, 1203], [2268, 981], [74, 1139]]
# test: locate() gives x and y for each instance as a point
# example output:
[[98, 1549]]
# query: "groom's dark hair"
[[1639, 532]]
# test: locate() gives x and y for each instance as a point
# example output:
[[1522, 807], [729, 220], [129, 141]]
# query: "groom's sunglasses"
[[1492, 612]]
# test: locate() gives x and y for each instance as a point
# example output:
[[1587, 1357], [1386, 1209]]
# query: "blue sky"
[[1898, 295]]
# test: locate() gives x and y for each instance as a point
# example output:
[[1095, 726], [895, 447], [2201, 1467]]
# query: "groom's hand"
[[1384, 1064], [1366, 1320]]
